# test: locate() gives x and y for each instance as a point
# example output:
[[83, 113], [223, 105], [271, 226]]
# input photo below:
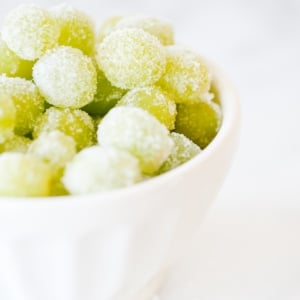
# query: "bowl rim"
[[230, 107]]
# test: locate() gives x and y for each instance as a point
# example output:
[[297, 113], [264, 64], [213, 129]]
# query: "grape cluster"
[[85, 110]]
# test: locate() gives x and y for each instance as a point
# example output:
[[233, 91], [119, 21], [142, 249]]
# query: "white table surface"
[[249, 244]]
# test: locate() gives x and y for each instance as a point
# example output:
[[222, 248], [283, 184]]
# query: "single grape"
[[98, 169], [28, 102], [30, 31], [7, 117], [183, 150], [186, 77], [76, 28], [106, 96], [16, 143], [131, 58], [66, 77], [23, 175], [157, 27], [138, 132], [154, 101], [107, 27], [199, 121], [72, 122], [12, 65]]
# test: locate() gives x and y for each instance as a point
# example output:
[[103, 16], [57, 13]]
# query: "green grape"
[[57, 188], [72, 122], [154, 101], [23, 175], [138, 132], [30, 31], [131, 58], [76, 28], [7, 117], [12, 65], [186, 77], [28, 102], [199, 121], [16, 143], [106, 96], [183, 150], [66, 77], [159, 28], [98, 169], [107, 27]]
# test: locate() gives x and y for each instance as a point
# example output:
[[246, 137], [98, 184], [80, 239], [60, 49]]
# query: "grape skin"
[[7, 117]]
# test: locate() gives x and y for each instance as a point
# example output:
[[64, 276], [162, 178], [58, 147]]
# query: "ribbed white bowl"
[[117, 245]]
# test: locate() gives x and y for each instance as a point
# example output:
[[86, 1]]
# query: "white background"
[[249, 245]]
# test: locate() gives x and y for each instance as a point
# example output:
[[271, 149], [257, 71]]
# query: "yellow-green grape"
[[106, 96], [30, 31], [12, 65], [138, 132], [57, 188], [199, 121], [157, 27], [16, 143], [99, 169], [66, 77], [184, 150], [154, 101], [23, 175], [131, 58], [76, 28], [186, 77], [107, 27], [28, 102], [72, 122], [7, 117]]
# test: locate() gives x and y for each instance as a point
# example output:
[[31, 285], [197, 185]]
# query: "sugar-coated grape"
[[186, 77], [23, 175], [106, 96], [12, 65], [98, 169], [183, 150], [16, 143], [28, 102], [30, 31], [76, 28], [7, 117], [107, 27], [66, 77], [72, 122], [154, 101], [138, 132], [199, 121], [131, 58], [157, 27]]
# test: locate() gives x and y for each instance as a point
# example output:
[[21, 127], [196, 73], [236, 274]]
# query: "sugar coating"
[[138, 132], [28, 102], [131, 58], [106, 96], [16, 143], [184, 150], [98, 169], [72, 122], [54, 148], [161, 29], [186, 76], [30, 31], [199, 121], [76, 28], [7, 117], [12, 65], [66, 77], [155, 101], [107, 27], [23, 175]]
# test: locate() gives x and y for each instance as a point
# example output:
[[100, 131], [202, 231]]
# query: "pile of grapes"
[[84, 111]]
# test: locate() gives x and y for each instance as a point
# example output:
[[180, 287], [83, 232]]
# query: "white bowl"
[[116, 245]]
